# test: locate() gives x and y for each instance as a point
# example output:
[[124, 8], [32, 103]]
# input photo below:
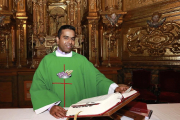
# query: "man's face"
[[66, 41]]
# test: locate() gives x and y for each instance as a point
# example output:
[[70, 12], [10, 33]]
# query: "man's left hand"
[[121, 88]]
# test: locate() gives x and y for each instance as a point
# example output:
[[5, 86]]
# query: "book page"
[[128, 94], [87, 106], [97, 99], [128, 90], [98, 105]]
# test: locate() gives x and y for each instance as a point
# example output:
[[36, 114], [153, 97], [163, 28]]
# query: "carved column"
[[93, 19], [37, 17], [34, 17], [68, 12], [41, 20], [21, 24], [78, 17], [101, 42], [44, 16], [102, 5], [71, 12], [12, 46], [112, 17]]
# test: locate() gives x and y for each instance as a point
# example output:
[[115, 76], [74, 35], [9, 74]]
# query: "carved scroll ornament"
[[154, 41]]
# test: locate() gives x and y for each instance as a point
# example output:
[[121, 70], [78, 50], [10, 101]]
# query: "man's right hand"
[[58, 112]]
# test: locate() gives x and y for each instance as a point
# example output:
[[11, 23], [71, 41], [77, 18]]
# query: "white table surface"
[[160, 112], [165, 111]]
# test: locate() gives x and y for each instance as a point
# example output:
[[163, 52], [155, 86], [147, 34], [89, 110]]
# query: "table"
[[160, 112], [165, 111]]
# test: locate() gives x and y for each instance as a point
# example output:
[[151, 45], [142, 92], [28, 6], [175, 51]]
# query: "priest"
[[65, 77]]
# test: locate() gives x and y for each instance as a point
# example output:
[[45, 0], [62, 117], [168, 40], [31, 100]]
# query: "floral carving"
[[154, 41], [157, 39]]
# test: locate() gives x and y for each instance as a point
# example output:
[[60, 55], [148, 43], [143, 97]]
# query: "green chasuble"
[[48, 86]]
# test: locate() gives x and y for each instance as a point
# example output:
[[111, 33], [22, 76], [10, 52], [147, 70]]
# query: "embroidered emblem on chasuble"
[[65, 75]]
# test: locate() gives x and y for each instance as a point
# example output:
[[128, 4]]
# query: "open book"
[[99, 105]]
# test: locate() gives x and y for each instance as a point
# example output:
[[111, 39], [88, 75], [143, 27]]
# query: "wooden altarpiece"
[[48, 17], [104, 50]]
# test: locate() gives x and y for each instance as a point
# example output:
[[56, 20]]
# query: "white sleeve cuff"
[[42, 109], [112, 87], [53, 105]]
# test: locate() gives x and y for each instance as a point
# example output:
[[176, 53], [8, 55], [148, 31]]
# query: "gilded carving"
[[93, 34], [99, 5], [92, 4], [21, 4], [111, 36], [85, 4], [154, 41], [120, 4], [155, 20], [3, 4], [34, 1], [84, 7], [2, 19], [71, 13], [132, 4], [41, 53], [57, 18], [21, 35], [29, 5], [113, 19], [2, 43], [30, 42]]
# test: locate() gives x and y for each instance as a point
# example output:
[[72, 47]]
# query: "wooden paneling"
[[5, 96], [111, 73], [8, 89], [24, 84]]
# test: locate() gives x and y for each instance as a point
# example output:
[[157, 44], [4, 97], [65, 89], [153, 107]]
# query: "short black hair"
[[65, 27]]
